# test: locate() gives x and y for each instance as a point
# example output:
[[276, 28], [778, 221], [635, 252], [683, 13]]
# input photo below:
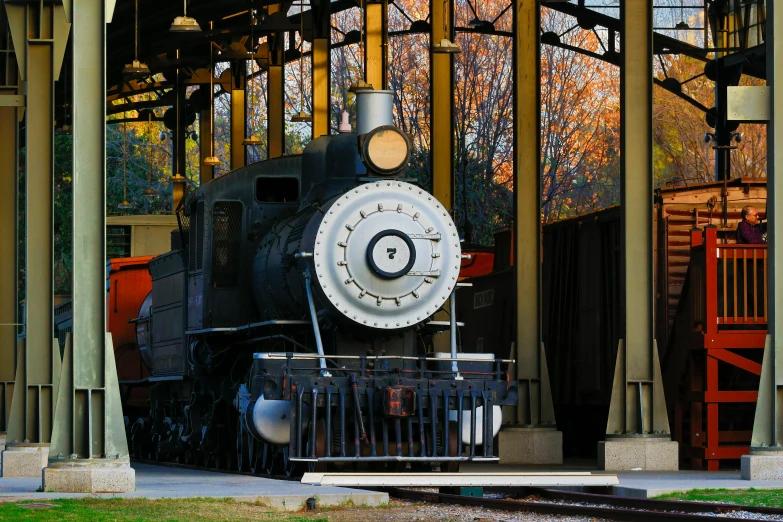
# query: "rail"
[[731, 284]]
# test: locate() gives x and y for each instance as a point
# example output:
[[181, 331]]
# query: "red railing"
[[732, 279], [728, 313]]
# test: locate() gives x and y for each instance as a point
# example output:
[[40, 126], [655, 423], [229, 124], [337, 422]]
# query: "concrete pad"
[[164, 482], [24, 461], [647, 484], [2, 442], [762, 466], [638, 453], [530, 446], [89, 476]]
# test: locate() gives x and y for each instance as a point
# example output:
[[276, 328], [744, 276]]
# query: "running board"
[[460, 479]]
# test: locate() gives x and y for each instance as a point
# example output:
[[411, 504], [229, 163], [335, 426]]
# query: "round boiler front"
[[386, 255]]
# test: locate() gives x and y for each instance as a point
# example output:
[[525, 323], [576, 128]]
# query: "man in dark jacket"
[[749, 231]]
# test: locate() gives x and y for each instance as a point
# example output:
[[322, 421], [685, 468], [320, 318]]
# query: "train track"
[[563, 503], [551, 502]]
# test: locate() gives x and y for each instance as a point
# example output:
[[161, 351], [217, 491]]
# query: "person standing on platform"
[[749, 229]]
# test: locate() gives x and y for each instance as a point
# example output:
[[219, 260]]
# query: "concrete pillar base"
[[762, 465], [24, 461], [89, 476], [518, 445], [2, 442], [649, 454]]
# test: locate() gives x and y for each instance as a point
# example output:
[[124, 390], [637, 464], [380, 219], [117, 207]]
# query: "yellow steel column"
[[442, 105], [441, 125], [238, 114], [206, 172], [39, 32], [375, 43], [533, 438], [275, 98], [9, 127], [321, 94], [637, 412]]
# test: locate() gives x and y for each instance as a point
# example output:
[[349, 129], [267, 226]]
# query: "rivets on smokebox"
[[430, 229], [363, 214], [362, 293], [350, 227], [399, 208], [380, 207], [348, 281], [415, 294], [435, 255], [342, 263], [342, 244], [416, 216], [379, 301], [398, 301]]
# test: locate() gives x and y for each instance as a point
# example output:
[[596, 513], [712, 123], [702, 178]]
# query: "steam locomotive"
[[291, 326]]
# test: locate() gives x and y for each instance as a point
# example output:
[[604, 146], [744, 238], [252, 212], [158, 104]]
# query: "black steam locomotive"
[[293, 325]]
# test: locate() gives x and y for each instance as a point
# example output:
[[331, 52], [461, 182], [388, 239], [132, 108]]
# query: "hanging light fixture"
[[446, 46], [252, 140], [136, 68], [149, 193], [361, 84], [682, 24], [124, 205], [302, 117], [184, 23], [211, 161]]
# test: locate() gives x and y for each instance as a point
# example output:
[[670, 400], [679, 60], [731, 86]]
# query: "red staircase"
[[714, 356]]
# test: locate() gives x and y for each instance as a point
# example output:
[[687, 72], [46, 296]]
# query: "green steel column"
[[89, 451], [238, 113], [9, 127], [39, 33], [638, 409], [766, 447], [535, 406]]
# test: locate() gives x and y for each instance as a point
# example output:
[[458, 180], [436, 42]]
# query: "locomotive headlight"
[[385, 150]]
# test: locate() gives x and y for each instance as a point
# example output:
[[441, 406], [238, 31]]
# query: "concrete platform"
[[498, 479], [163, 482]]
